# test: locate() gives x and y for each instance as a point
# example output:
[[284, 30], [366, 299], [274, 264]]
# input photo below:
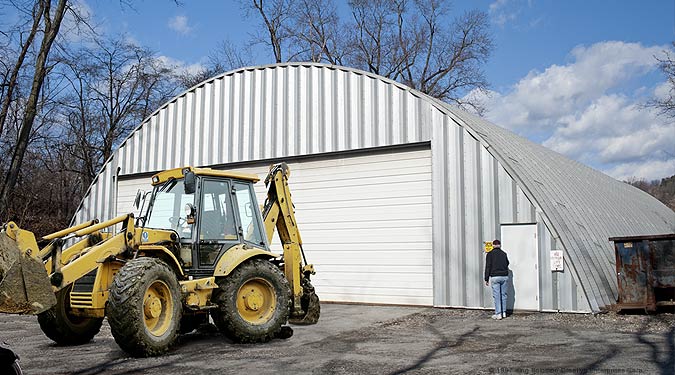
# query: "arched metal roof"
[[286, 110], [584, 207]]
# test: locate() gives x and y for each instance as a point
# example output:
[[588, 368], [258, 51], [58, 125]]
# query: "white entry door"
[[519, 241]]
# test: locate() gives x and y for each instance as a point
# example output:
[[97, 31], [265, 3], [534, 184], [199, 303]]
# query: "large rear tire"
[[144, 308], [254, 301], [64, 328]]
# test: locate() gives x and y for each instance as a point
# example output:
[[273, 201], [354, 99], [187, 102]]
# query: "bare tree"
[[663, 190], [71, 102], [275, 16], [315, 34], [666, 104], [52, 23], [10, 81], [228, 56], [114, 86], [373, 34], [224, 58], [415, 42], [453, 58]]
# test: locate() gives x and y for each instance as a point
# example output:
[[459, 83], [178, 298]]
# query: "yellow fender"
[[236, 255], [165, 254]]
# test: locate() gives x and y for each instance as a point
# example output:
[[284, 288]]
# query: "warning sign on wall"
[[556, 260]]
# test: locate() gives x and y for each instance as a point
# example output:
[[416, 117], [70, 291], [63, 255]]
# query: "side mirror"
[[190, 182]]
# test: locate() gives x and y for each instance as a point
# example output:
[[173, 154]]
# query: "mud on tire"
[[253, 302], [144, 307], [65, 328]]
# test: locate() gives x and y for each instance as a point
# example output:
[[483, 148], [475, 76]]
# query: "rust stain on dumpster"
[[645, 267]]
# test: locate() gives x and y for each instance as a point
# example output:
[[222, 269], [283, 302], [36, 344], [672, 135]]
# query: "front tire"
[[253, 302], [64, 328], [144, 308]]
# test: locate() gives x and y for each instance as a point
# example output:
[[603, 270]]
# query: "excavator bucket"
[[24, 282], [311, 307]]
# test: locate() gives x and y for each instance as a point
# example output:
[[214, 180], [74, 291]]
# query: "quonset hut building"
[[395, 191]]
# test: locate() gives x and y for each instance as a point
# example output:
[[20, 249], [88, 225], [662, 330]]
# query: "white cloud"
[[648, 171], [510, 12], [611, 131], [497, 5], [586, 111], [663, 91], [501, 12], [180, 25], [181, 66]]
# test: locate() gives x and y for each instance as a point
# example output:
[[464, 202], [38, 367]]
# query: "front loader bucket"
[[24, 282]]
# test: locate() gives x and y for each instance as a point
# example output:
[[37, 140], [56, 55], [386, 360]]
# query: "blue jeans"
[[499, 286]]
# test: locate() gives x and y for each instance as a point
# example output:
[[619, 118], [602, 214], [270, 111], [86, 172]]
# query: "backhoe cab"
[[199, 247]]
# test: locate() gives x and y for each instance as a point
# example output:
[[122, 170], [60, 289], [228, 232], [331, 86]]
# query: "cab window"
[[168, 209], [217, 220], [246, 209]]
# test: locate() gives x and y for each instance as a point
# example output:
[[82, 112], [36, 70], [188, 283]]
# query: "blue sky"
[[568, 74]]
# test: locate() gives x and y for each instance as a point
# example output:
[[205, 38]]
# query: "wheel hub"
[[153, 307], [158, 308], [253, 300], [256, 301]]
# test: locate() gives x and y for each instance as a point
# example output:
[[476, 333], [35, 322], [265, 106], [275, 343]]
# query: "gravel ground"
[[357, 339]]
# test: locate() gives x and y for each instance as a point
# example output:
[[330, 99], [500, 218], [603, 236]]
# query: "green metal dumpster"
[[645, 270]]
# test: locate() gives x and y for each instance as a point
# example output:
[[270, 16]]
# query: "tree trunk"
[[51, 31], [17, 67]]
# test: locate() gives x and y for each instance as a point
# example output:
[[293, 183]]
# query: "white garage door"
[[126, 193], [365, 223]]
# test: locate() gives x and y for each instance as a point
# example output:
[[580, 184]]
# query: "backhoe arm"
[[279, 213]]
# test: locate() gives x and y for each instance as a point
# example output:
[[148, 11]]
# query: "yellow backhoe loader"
[[200, 246]]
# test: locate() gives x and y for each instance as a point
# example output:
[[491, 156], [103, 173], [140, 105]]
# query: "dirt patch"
[[352, 339]]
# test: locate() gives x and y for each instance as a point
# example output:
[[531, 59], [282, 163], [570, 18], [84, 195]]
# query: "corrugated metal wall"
[[262, 113], [482, 175], [582, 206], [292, 110], [473, 195]]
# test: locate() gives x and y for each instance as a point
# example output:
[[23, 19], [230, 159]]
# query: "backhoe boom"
[[279, 213]]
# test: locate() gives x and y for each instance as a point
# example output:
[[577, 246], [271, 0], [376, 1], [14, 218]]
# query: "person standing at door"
[[496, 275]]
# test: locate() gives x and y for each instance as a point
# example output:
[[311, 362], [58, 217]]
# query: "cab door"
[[216, 222], [249, 222]]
